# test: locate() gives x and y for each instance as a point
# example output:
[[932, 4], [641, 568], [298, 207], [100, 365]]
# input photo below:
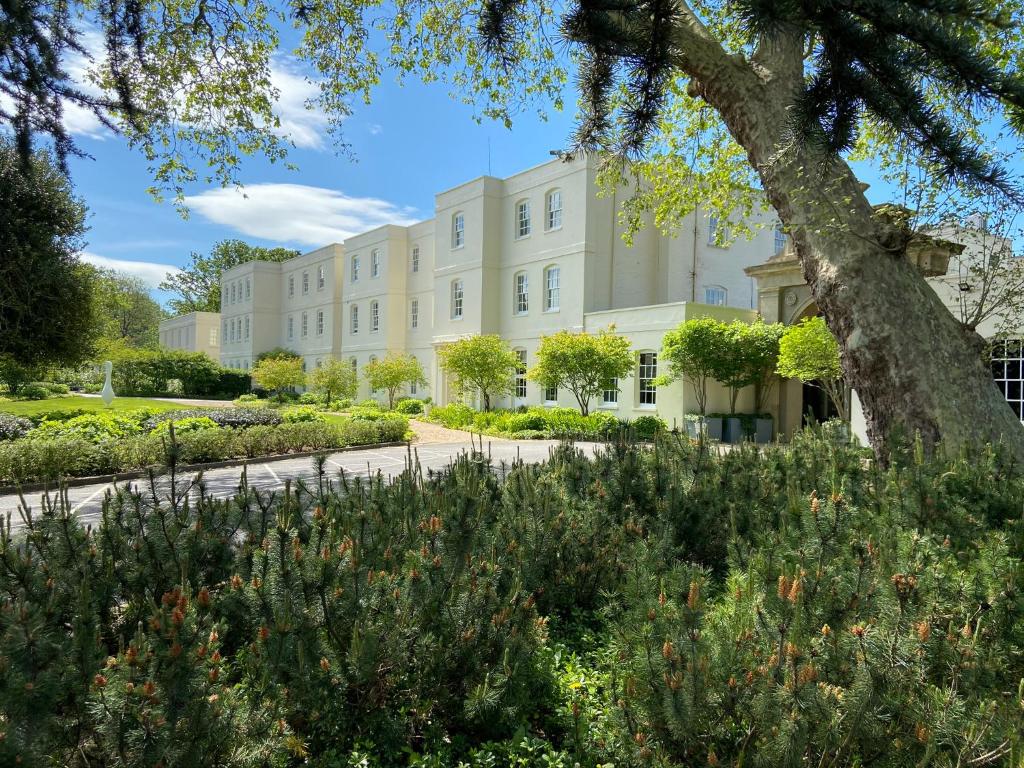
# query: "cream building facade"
[[192, 332], [524, 256]]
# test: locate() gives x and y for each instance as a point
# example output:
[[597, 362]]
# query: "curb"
[[135, 474]]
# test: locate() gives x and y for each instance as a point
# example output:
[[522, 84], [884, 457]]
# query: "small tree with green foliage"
[[334, 378], [584, 363], [392, 373], [278, 352], [690, 351], [278, 374], [809, 352], [761, 349], [484, 364]]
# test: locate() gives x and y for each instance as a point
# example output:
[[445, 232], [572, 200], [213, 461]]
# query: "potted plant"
[[691, 351]]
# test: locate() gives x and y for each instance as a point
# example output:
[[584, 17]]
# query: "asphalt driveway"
[[222, 482]]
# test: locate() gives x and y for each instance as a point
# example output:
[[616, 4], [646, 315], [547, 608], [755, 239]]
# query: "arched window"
[[715, 295], [553, 210], [375, 263], [647, 372], [552, 289], [458, 230], [457, 299], [353, 314], [374, 316], [354, 270], [522, 218], [520, 293], [521, 375]]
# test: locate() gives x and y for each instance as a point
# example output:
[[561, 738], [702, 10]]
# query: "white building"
[[522, 257], [193, 332]]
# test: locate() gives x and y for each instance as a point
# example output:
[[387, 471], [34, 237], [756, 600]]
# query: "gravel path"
[[428, 432]]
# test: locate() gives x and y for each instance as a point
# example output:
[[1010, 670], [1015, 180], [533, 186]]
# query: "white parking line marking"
[[273, 474], [90, 497]]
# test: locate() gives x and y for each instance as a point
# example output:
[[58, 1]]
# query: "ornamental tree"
[[809, 352], [730, 363], [278, 374], [761, 350], [584, 363], [483, 363], [334, 378], [392, 373], [690, 351]]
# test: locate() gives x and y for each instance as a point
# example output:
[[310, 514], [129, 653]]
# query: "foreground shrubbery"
[[103, 443], [534, 422], [663, 607]]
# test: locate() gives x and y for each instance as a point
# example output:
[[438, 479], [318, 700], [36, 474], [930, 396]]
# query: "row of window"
[[233, 292], [235, 329], [552, 291], [304, 324], [321, 281], [720, 233], [647, 372]]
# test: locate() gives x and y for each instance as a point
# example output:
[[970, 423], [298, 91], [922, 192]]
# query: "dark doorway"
[[817, 406]]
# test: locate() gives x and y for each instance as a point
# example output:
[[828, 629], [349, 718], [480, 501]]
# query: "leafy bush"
[[648, 426], [12, 427], [183, 426], [222, 417], [452, 416], [33, 392], [370, 403], [30, 460], [410, 406], [311, 398], [534, 420], [247, 399], [94, 427], [301, 413], [52, 387]]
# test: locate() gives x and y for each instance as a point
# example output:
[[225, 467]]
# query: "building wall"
[[193, 332]]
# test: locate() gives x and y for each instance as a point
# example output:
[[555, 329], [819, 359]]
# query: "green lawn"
[[73, 402]]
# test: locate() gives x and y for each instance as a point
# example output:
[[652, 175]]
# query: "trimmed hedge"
[[32, 460], [222, 417]]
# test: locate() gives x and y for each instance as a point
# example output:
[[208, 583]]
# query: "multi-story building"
[[522, 257], [193, 332]]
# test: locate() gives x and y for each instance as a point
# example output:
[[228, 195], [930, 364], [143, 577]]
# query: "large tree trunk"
[[915, 368]]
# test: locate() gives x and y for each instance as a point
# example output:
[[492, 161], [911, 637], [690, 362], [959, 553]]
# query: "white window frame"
[[610, 394], [414, 259], [552, 288], [375, 263], [714, 224], [646, 371], [305, 283], [522, 224], [550, 395], [781, 239], [716, 295], [353, 319], [246, 327], [304, 325], [248, 288], [319, 322], [520, 293], [414, 313], [1008, 372], [353, 274], [321, 278], [458, 230], [232, 293], [374, 316], [553, 210], [291, 286], [458, 299], [291, 327], [520, 381], [213, 337]]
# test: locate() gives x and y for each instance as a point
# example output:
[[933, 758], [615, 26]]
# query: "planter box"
[[707, 427], [763, 431], [733, 430]]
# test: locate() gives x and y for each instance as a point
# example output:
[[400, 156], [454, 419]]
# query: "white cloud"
[[151, 273], [301, 120], [295, 213], [375, 129]]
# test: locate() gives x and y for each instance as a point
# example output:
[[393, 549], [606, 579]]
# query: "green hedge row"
[[148, 372], [33, 460]]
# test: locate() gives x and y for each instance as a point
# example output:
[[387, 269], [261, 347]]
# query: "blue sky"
[[410, 143]]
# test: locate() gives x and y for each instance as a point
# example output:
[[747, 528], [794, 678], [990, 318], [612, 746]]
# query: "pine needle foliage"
[[650, 605]]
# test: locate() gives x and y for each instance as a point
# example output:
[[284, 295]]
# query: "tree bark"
[[915, 368]]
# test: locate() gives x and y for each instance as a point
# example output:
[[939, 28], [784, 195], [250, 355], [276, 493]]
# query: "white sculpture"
[[107, 393]]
